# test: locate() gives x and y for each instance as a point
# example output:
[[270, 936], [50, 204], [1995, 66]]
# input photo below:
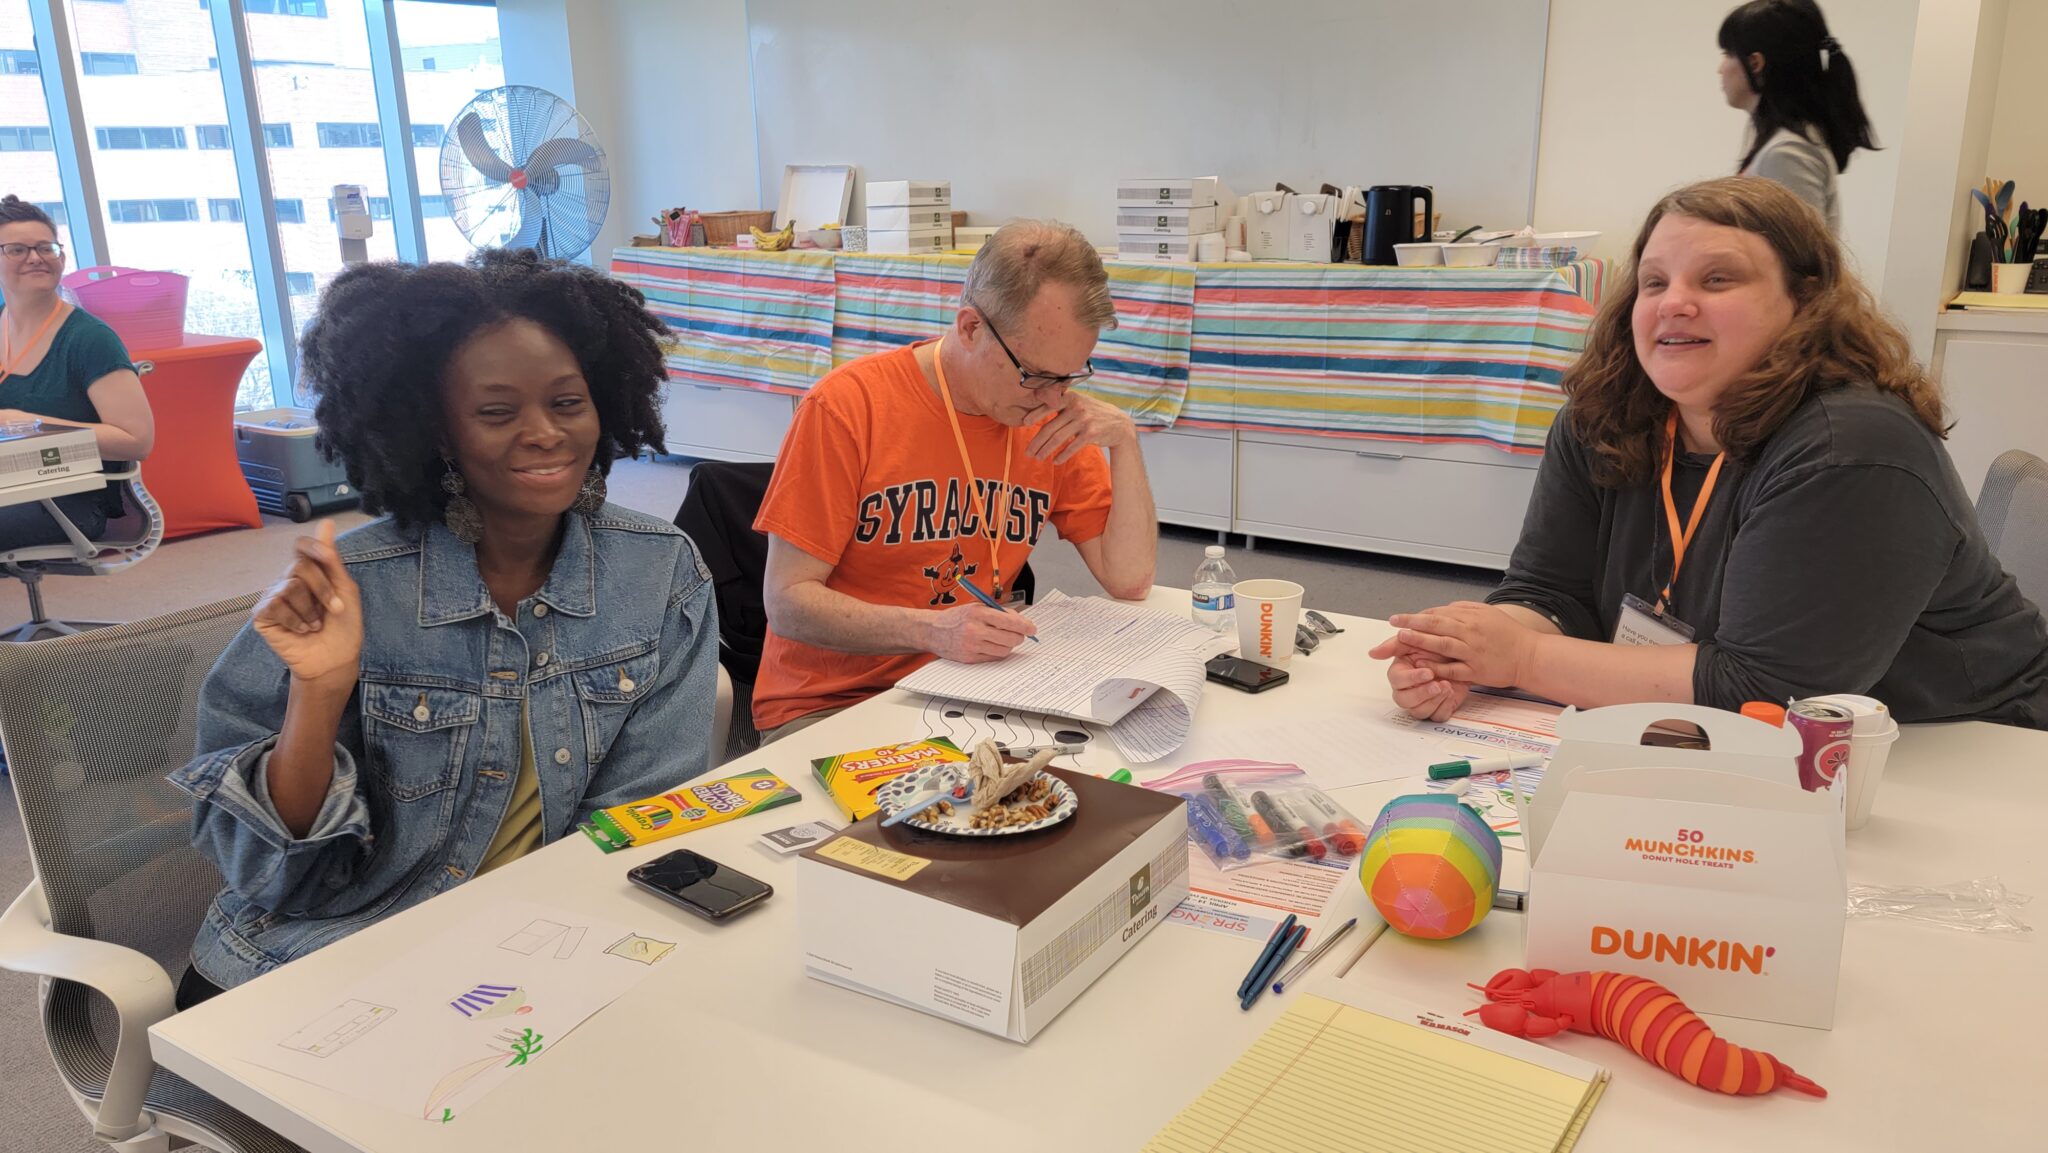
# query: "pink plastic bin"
[[145, 309]]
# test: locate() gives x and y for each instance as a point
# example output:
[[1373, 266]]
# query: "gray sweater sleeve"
[[1553, 567], [1800, 165], [1825, 578]]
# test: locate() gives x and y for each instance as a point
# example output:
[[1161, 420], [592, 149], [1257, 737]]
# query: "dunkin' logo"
[[1694, 952], [1266, 628]]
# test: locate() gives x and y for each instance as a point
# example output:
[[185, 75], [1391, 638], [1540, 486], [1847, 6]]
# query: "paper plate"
[[904, 789]]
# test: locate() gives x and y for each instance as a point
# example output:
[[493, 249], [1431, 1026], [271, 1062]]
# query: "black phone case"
[[768, 891]]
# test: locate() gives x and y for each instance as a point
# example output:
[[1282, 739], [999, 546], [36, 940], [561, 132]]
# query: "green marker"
[[1474, 766], [1121, 776]]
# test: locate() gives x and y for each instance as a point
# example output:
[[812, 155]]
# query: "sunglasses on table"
[[1035, 381]]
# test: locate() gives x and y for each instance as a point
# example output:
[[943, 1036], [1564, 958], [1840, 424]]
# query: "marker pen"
[[1208, 825], [1234, 812], [1472, 766], [1311, 843], [1344, 834]]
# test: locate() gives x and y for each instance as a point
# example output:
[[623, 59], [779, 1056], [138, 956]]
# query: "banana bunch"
[[774, 241]]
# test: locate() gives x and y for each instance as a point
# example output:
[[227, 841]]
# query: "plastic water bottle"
[[1214, 603]]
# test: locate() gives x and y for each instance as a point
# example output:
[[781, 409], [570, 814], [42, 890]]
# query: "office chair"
[[129, 538], [92, 723]]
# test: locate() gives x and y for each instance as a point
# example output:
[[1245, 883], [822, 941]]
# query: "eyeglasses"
[[1033, 381], [48, 250]]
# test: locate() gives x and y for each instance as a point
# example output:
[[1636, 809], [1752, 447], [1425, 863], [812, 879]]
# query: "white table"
[[742, 1051]]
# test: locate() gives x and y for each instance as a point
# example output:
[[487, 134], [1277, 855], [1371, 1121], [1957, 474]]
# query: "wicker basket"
[[722, 229]]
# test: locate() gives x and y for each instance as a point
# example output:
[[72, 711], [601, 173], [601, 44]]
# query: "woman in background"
[[1779, 64], [65, 368]]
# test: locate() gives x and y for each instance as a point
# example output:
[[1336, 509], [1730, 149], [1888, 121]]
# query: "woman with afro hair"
[[449, 687]]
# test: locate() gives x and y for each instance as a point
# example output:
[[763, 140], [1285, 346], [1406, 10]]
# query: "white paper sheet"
[[1251, 902], [434, 1031], [1336, 750], [1136, 670]]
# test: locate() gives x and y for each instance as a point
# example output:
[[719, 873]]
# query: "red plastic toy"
[[1642, 1015]]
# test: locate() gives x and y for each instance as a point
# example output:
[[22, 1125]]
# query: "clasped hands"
[[1440, 653]]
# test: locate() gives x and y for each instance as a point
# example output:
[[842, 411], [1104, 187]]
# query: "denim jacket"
[[615, 658]]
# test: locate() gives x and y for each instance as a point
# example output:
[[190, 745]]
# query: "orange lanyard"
[[7, 345], [993, 518], [1680, 539]]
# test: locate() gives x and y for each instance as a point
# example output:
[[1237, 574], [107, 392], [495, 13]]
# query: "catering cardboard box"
[[1169, 221], [1171, 192], [1311, 226], [1710, 871], [45, 452], [1266, 225], [996, 933], [898, 218], [1168, 249], [909, 193], [921, 240]]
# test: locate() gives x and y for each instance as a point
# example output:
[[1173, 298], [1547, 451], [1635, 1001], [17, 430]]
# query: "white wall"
[[1946, 144], [1632, 108], [663, 83], [1039, 109], [2019, 133]]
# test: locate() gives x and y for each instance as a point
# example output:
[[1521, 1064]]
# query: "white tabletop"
[[52, 488], [728, 1046]]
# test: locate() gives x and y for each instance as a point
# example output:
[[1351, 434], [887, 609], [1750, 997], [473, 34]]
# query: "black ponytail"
[[1806, 78]]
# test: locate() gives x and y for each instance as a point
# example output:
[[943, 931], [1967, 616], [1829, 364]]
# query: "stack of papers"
[[1134, 669]]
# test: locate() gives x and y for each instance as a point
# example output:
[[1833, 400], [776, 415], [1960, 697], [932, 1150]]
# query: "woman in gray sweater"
[[1744, 498], [1779, 64]]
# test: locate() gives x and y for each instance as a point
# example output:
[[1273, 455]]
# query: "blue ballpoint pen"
[[1272, 967], [984, 598]]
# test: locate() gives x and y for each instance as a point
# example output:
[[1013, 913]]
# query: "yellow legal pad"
[[1375, 1074]]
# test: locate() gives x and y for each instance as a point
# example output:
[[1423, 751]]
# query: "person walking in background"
[[1780, 65]]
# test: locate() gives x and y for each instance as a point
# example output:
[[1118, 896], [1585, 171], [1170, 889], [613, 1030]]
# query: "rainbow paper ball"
[[1431, 866]]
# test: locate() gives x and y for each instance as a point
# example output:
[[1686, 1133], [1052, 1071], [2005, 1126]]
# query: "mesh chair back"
[[718, 513], [92, 724], [2013, 508]]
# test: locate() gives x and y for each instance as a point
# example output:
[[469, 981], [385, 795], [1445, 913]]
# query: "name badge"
[[1640, 624]]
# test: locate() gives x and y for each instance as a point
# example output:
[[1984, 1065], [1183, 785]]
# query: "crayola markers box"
[[684, 809], [852, 779]]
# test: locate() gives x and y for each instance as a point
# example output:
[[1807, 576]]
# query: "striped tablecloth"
[[748, 319], [1435, 355]]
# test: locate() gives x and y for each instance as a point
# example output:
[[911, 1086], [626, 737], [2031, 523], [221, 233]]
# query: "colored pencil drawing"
[[517, 1044], [485, 1002], [338, 1028], [541, 933], [646, 950]]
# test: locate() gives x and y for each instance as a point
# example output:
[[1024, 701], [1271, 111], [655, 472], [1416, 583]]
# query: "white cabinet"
[[1994, 372], [1192, 473], [1455, 503], [713, 423]]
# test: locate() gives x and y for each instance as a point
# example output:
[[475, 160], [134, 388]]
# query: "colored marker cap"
[[1449, 769]]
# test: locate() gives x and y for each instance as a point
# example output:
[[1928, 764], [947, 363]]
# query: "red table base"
[[192, 472]]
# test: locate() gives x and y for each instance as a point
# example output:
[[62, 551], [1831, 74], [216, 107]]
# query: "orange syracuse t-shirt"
[[869, 481]]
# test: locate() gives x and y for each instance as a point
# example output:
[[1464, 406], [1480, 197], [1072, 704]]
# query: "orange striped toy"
[[1639, 1013]]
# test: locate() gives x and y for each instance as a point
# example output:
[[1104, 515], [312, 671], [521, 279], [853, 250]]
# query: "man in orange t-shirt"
[[908, 474]]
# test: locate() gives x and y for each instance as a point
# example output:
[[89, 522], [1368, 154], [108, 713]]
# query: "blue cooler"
[[285, 468]]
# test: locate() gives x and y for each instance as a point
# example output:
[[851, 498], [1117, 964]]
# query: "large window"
[[24, 138], [133, 138], [451, 53], [149, 77], [350, 135], [159, 190], [153, 211], [28, 160], [108, 63]]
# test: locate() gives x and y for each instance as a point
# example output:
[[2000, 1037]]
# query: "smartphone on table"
[[700, 884], [1239, 673]]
